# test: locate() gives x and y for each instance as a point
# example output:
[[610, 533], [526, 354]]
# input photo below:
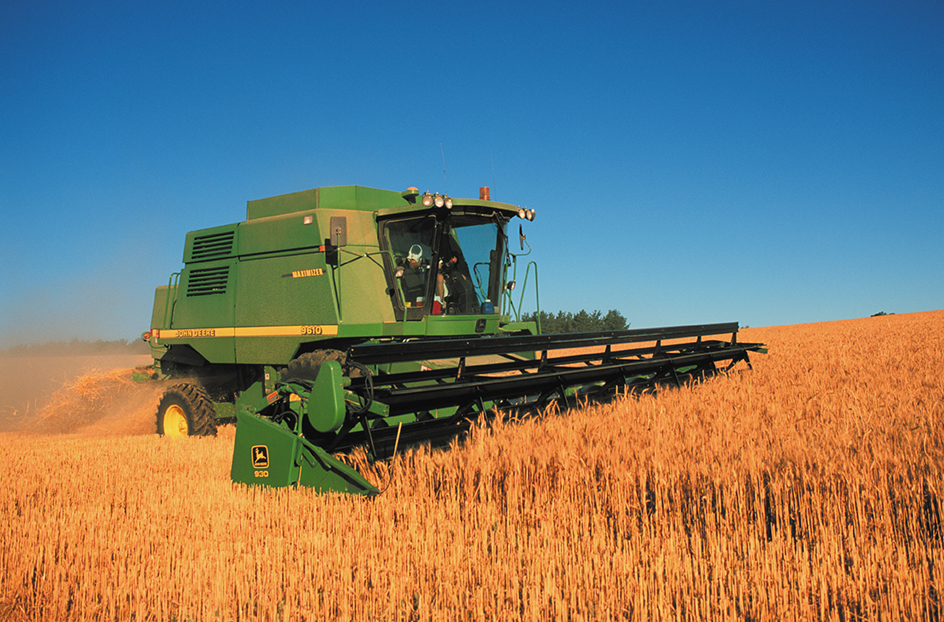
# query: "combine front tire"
[[185, 410]]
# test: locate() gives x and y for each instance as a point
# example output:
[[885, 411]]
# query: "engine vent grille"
[[213, 246], [208, 282]]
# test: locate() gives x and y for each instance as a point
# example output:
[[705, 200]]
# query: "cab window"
[[471, 260], [411, 243]]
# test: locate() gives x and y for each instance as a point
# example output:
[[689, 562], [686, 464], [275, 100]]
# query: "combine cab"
[[349, 316]]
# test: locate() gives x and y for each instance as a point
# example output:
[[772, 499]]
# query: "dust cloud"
[[85, 396]]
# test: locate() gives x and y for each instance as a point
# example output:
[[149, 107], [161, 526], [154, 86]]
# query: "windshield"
[[471, 261]]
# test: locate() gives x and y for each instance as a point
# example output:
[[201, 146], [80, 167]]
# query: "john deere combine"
[[347, 316]]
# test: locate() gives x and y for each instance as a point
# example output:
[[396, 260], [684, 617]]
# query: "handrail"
[[173, 283], [537, 292]]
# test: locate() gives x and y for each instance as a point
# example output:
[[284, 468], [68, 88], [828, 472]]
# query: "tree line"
[[566, 322]]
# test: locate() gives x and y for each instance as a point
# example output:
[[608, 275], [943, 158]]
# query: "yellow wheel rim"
[[175, 422]]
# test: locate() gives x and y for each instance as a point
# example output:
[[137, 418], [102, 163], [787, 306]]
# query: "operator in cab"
[[415, 272]]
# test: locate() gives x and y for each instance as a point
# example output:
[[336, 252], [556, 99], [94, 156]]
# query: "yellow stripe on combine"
[[286, 331], [310, 330]]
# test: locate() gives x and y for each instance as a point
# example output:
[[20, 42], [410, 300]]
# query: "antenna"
[[444, 166]]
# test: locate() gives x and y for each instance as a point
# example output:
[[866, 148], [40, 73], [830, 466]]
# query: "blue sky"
[[769, 163]]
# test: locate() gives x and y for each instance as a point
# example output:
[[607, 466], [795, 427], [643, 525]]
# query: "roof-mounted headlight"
[[522, 213], [448, 203], [427, 199], [530, 214], [438, 200]]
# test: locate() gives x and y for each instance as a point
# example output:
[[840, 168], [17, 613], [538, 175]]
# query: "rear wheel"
[[186, 410]]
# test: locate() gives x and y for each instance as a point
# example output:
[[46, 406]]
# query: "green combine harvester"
[[350, 316]]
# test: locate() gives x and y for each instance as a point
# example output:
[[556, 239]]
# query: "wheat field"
[[806, 488]]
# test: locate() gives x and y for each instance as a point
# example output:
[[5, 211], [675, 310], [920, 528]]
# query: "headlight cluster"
[[439, 200], [442, 200]]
